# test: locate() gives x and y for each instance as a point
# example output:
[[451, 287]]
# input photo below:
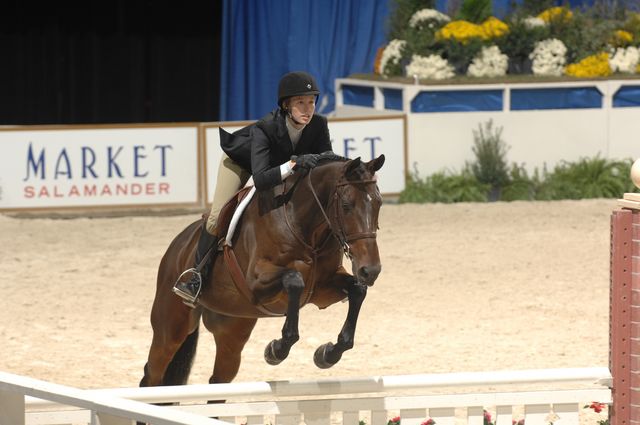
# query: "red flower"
[[428, 422], [394, 421], [597, 407]]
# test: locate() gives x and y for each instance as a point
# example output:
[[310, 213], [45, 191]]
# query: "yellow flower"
[[461, 31], [591, 66], [494, 28], [621, 38], [556, 13]]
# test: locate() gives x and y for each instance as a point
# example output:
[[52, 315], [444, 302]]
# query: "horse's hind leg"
[[329, 354], [278, 349], [230, 335], [174, 341]]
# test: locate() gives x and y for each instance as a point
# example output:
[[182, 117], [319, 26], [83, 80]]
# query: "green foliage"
[[444, 187], [420, 41], [583, 35], [520, 187], [459, 54], [632, 25], [490, 166], [476, 11], [588, 178], [401, 12], [534, 7], [607, 9], [520, 41], [489, 178]]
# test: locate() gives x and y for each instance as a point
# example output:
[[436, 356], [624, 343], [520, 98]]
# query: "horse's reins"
[[341, 236]]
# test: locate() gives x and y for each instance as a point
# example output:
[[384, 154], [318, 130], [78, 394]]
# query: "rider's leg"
[[231, 177]]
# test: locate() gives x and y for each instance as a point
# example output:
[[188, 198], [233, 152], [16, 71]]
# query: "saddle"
[[227, 213]]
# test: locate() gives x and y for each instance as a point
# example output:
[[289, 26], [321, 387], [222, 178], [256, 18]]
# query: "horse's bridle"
[[340, 234]]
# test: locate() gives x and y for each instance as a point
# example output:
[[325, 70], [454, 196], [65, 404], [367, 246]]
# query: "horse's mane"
[[330, 156]]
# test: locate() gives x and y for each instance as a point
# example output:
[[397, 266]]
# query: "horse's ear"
[[375, 164], [352, 165]]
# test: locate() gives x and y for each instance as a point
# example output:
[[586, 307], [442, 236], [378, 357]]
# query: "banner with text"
[[82, 167]]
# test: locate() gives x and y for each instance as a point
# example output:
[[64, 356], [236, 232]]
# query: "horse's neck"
[[311, 202]]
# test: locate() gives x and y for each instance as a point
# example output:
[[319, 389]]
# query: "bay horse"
[[290, 255]]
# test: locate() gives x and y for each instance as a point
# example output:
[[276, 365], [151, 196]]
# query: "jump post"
[[413, 397], [624, 338]]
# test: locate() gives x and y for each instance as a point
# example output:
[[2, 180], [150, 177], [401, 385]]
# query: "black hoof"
[[320, 356], [270, 355]]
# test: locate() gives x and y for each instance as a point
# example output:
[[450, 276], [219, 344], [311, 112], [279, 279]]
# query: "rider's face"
[[302, 108]]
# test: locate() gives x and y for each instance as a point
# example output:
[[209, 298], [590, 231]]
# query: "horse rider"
[[288, 139]]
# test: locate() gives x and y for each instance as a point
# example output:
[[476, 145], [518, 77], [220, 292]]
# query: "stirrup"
[[187, 298]]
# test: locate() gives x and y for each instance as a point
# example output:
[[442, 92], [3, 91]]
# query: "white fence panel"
[[346, 401]]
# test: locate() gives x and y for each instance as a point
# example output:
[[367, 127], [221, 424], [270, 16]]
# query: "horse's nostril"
[[369, 272]]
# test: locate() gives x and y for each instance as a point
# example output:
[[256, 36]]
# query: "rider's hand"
[[306, 161]]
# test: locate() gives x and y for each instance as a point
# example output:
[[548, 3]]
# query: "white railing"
[[100, 409], [373, 399]]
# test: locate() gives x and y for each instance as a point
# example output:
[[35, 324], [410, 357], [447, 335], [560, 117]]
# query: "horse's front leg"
[[278, 349], [329, 354]]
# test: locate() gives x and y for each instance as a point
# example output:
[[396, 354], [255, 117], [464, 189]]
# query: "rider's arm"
[[264, 175]]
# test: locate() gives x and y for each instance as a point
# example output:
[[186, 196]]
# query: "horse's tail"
[[178, 370]]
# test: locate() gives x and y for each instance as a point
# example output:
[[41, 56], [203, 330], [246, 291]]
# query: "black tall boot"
[[190, 282]]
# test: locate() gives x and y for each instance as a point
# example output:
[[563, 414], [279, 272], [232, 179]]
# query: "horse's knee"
[[292, 281], [357, 292]]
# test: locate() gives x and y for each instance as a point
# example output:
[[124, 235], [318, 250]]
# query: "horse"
[[289, 254]]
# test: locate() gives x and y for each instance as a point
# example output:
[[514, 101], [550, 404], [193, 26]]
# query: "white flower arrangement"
[[391, 54], [625, 60], [490, 62], [426, 15], [533, 22], [548, 57], [431, 67]]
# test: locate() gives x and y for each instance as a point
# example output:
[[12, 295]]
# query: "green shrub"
[[520, 186], [444, 187], [400, 13], [583, 35], [588, 178], [534, 7], [490, 166], [518, 44], [476, 11]]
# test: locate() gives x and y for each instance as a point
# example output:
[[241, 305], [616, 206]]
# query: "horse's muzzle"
[[367, 275]]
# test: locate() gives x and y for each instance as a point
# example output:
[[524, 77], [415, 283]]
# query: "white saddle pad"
[[238, 212]]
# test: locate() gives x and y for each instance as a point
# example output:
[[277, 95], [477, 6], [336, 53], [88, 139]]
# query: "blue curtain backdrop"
[[264, 39]]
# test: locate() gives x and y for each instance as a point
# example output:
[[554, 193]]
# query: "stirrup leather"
[[187, 297]]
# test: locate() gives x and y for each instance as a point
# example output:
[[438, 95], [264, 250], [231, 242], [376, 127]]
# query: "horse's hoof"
[[320, 356], [270, 356]]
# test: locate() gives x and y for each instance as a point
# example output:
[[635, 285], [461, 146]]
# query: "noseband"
[[340, 234]]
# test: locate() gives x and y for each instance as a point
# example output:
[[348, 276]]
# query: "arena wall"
[[543, 123]]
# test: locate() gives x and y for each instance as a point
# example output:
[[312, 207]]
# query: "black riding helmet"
[[297, 83]]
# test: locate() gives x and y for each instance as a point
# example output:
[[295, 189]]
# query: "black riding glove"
[[305, 162]]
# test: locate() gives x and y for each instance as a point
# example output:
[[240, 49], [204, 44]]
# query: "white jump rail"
[[346, 401], [101, 409]]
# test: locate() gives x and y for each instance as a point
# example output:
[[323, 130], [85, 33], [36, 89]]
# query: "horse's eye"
[[346, 205]]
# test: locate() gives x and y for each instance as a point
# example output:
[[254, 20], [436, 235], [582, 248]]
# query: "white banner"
[[366, 138], [80, 167], [369, 137]]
